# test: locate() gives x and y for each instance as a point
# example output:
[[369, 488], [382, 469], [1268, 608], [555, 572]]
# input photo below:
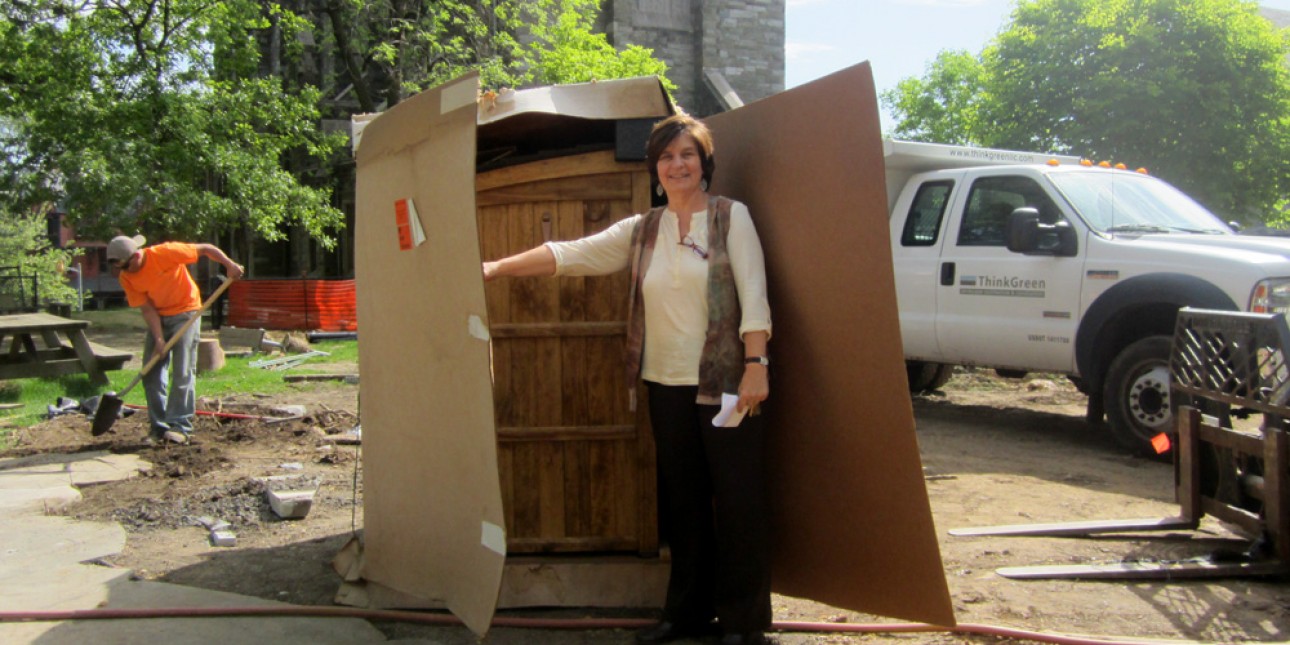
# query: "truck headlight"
[[1271, 296]]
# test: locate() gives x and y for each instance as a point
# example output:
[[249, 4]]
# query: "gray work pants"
[[171, 385]]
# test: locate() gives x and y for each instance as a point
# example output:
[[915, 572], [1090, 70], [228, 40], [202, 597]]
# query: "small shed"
[[501, 460]]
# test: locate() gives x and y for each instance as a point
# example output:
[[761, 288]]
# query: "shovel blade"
[[107, 413]]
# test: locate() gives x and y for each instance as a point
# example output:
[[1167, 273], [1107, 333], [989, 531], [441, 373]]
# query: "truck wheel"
[[924, 377], [1136, 394]]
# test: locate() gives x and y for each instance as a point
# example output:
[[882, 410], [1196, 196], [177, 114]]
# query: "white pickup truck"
[[1027, 262]]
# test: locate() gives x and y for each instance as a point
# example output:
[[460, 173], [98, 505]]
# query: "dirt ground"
[[995, 451]]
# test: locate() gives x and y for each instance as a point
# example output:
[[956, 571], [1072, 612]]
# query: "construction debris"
[[287, 362], [351, 379], [290, 496], [350, 437], [221, 532], [291, 504], [223, 538]]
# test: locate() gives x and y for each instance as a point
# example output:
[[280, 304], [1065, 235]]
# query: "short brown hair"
[[667, 130]]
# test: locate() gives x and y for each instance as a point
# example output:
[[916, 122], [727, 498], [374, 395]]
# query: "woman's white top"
[[675, 289]]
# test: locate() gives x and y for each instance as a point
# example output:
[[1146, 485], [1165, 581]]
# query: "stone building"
[[713, 48]]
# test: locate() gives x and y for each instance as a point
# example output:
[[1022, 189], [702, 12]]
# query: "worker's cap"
[[122, 247]]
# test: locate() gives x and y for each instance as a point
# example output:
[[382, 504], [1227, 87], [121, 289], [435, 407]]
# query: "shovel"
[[110, 403]]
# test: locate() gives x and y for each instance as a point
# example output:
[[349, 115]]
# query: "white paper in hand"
[[728, 417]]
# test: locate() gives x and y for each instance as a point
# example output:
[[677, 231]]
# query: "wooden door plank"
[[607, 390], [574, 409], [547, 381], [550, 484], [606, 297], [569, 226], [628, 495], [578, 485], [573, 355], [506, 475], [603, 494], [526, 462], [533, 299], [493, 224]]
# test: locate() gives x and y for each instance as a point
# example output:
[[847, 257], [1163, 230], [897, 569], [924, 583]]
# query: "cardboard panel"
[[432, 500], [853, 526]]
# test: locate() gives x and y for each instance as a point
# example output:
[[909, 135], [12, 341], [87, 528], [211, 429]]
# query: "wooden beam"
[[557, 330], [565, 433], [594, 163]]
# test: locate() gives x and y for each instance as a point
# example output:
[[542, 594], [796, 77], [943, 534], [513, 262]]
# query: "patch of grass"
[[236, 377], [342, 351], [124, 319]]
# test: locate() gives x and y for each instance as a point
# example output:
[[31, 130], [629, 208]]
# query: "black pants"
[[714, 496]]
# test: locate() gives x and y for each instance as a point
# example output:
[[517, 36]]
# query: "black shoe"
[[745, 638], [666, 632]]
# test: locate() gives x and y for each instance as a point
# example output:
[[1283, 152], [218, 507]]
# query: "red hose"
[[551, 623], [213, 413]]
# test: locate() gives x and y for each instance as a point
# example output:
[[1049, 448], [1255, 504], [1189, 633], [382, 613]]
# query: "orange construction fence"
[[309, 305]]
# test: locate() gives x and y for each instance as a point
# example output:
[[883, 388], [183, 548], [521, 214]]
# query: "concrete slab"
[[38, 541], [46, 483], [123, 594], [82, 469], [41, 569], [48, 458], [37, 501], [19, 479], [57, 588]]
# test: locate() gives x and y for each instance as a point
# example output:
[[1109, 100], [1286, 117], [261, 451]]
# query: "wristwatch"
[[760, 360]]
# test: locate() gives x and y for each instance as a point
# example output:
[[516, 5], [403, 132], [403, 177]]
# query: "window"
[[923, 223], [990, 204]]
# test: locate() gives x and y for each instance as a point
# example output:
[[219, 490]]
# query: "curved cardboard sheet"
[[432, 505], [853, 526]]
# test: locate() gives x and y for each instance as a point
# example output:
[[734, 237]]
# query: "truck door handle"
[[947, 274]]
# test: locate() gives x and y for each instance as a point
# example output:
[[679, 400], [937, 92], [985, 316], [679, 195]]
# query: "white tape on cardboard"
[[476, 327], [493, 537]]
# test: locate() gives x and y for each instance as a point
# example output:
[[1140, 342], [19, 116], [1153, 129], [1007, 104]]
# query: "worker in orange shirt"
[[156, 280]]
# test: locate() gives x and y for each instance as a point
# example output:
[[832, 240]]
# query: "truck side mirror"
[[1026, 234]]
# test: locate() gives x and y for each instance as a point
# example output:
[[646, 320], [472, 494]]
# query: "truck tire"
[[1136, 394], [925, 377]]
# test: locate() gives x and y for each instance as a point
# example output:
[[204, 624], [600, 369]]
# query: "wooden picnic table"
[[65, 349]]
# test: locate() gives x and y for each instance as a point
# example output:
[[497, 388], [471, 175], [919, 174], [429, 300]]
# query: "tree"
[[25, 246], [394, 48], [943, 106], [1197, 91], [193, 118], [570, 52], [152, 116]]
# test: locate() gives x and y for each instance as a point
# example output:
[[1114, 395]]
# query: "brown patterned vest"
[[721, 365]]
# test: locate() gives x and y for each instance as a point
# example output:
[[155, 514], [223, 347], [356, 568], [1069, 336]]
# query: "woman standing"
[[698, 326]]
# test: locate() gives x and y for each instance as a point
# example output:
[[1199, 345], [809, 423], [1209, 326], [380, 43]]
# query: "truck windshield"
[[1120, 202]]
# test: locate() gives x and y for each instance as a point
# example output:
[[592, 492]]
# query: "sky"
[[899, 38]]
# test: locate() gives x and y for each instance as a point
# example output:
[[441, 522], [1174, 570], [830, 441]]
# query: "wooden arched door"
[[577, 466]]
